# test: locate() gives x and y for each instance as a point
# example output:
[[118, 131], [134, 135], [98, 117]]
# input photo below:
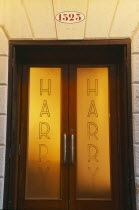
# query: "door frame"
[[15, 63]]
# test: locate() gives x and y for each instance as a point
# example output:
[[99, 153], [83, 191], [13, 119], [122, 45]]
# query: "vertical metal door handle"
[[72, 148], [65, 148]]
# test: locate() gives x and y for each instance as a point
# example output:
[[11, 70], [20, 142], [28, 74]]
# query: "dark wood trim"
[[72, 131], [12, 132], [72, 42], [11, 169]]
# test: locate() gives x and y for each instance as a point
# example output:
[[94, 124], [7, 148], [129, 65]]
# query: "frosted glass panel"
[[43, 151], [93, 154]]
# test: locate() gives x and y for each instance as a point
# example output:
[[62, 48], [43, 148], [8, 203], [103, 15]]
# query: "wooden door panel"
[[104, 193], [40, 131]]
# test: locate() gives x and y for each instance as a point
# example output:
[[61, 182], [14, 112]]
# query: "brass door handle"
[[72, 149], [65, 148]]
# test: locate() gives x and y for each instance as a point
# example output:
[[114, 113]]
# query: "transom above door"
[[67, 138]]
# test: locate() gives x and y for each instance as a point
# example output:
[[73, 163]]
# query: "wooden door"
[[93, 127], [112, 54], [43, 170], [69, 138]]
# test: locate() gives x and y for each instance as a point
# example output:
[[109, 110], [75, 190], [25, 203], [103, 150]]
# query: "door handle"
[[72, 148], [65, 148]]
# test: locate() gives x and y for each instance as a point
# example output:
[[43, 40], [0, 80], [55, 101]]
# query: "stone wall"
[[35, 20], [3, 105], [135, 107]]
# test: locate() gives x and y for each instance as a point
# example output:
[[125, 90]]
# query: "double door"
[[69, 138]]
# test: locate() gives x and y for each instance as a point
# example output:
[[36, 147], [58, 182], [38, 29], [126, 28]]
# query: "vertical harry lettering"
[[92, 129], [44, 127]]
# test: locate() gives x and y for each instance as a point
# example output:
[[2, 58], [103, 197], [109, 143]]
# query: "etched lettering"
[[44, 129], [93, 152], [43, 172], [92, 129], [43, 151], [92, 109], [92, 90], [93, 170], [45, 109], [47, 90]]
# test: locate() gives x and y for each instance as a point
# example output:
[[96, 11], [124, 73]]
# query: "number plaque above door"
[[70, 17]]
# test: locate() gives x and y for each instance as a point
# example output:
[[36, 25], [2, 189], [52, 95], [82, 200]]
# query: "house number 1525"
[[70, 17]]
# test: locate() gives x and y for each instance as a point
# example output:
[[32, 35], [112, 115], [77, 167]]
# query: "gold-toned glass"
[[93, 143], [43, 150]]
